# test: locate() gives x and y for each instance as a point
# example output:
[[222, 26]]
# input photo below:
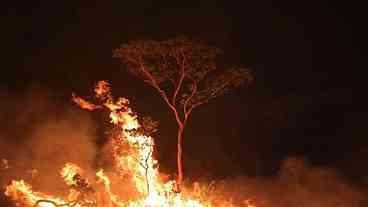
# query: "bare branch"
[[178, 87], [194, 91], [217, 90], [162, 93], [165, 68]]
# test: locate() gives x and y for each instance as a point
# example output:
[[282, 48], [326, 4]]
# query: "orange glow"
[[133, 156], [68, 173]]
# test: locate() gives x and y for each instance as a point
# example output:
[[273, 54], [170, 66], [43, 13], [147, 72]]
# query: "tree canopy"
[[185, 74]]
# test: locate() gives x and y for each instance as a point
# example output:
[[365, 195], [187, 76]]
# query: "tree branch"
[[182, 76], [194, 91], [162, 92], [213, 93], [178, 88], [164, 67]]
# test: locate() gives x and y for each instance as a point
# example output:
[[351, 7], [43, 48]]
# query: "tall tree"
[[184, 73]]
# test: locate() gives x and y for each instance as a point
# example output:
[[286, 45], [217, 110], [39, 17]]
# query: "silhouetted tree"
[[181, 71]]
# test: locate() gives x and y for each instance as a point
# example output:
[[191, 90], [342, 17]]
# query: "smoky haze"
[[297, 184], [39, 134]]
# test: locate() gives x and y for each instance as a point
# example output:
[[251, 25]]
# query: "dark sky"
[[307, 57]]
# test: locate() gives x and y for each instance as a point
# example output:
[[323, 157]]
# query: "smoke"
[[297, 184], [39, 134]]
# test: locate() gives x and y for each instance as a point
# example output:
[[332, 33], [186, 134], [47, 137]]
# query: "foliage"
[[184, 74], [181, 70]]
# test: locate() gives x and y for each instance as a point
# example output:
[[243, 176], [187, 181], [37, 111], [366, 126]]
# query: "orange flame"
[[69, 172], [136, 160]]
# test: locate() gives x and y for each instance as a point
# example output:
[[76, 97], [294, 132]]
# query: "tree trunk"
[[180, 156]]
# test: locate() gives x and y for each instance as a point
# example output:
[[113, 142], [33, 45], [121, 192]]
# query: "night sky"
[[307, 58]]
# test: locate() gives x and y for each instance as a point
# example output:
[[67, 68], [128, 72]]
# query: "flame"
[[133, 158], [23, 194], [84, 104], [69, 172]]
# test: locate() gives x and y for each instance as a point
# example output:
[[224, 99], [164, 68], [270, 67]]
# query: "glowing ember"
[[132, 151]]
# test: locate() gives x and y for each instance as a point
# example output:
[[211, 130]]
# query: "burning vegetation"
[[134, 168], [131, 177]]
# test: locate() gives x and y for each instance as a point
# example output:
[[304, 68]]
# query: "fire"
[[69, 172], [23, 194], [132, 152]]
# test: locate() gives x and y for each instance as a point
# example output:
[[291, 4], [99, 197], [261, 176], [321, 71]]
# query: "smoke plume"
[[39, 134]]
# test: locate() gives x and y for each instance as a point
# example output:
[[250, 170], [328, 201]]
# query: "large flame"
[[133, 158]]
